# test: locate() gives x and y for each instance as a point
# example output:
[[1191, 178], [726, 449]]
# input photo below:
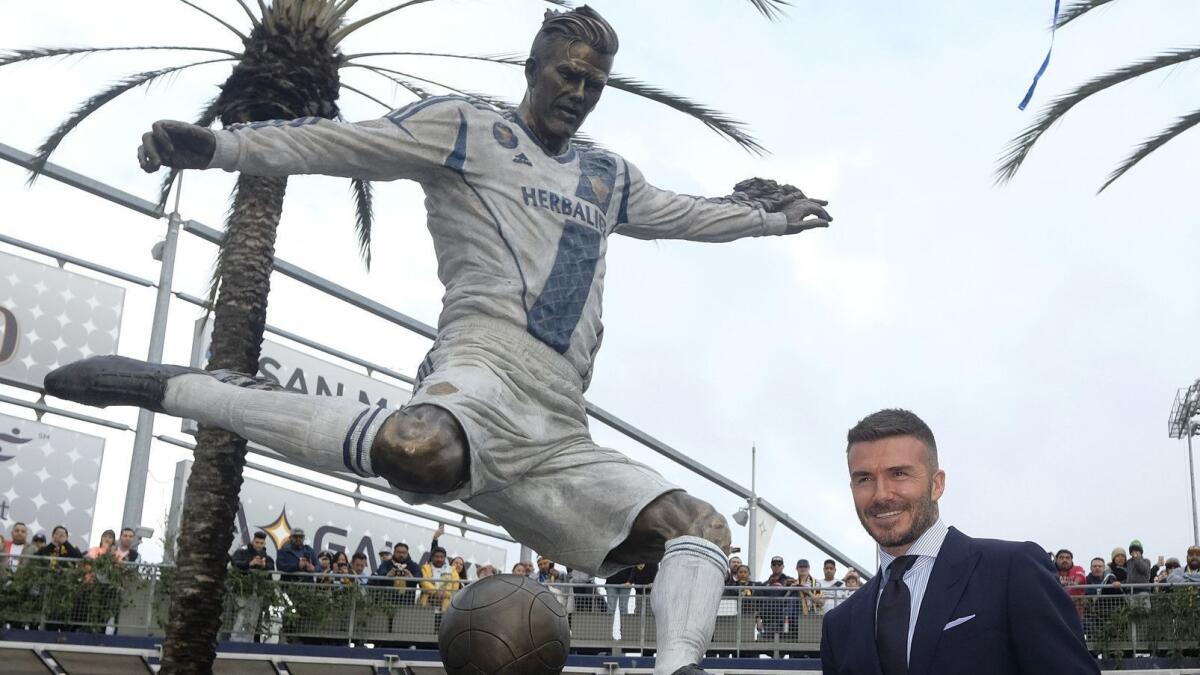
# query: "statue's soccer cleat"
[[102, 381]]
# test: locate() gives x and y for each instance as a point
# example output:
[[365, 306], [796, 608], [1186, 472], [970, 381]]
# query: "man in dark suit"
[[942, 603]]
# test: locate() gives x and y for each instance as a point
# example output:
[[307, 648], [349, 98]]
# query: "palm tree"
[[1018, 149], [288, 66]]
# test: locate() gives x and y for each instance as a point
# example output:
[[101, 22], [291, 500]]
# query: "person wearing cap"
[[1138, 567], [941, 603], [1189, 574], [774, 606], [296, 559]]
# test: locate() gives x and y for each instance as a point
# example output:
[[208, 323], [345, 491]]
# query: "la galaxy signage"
[[329, 526], [299, 372], [50, 317]]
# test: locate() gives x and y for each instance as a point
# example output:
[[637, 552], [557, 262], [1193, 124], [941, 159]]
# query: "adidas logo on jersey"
[[522, 159]]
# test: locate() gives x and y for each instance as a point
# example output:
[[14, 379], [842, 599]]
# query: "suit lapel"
[[947, 581], [862, 627]]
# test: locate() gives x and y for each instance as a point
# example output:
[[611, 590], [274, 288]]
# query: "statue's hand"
[[802, 212], [176, 144], [806, 214]]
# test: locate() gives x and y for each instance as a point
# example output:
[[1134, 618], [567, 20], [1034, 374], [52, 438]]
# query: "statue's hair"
[[583, 24]]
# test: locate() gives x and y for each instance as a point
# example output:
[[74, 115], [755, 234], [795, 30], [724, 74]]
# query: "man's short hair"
[[358, 556], [21, 524], [583, 24], [1100, 559], [436, 550], [131, 531], [59, 527], [891, 422], [1062, 551], [398, 545], [829, 561], [260, 535]]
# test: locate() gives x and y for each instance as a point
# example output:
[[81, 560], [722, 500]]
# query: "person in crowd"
[[341, 567], [17, 546], [296, 559], [125, 549], [385, 554], [59, 546], [485, 571], [1103, 584], [774, 605], [460, 565], [253, 556], [853, 581], [731, 576], [809, 598], [617, 591], [358, 568], [439, 580], [520, 570], [108, 540], [832, 588], [742, 585], [531, 570], [324, 567], [1070, 577], [583, 590], [1190, 573], [560, 592], [642, 576], [1116, 565], [544, 567], [402, 574], [1166, 570], [1138, 567]]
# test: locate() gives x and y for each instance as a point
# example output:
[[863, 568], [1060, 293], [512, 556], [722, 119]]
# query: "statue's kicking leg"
[[421, 449], [692, 540]]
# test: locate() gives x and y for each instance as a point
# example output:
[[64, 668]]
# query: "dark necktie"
[[891, 620]]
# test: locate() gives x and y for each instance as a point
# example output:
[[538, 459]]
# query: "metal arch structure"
[[337, 291]]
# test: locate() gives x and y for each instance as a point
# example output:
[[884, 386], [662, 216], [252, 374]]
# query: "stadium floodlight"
[[1184, 423]]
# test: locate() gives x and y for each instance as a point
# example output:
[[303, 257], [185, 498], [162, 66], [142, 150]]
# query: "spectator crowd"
[[785, 602]]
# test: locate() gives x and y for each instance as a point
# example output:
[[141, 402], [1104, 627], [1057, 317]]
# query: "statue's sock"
[[686, 594], [323, 431]]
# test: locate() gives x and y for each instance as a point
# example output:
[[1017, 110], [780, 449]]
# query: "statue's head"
[[566, 72]]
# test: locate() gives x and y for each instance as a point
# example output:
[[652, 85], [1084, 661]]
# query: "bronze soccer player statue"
[[520, 218]]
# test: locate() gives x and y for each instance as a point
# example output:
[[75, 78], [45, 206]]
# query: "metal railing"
[[104, 596]]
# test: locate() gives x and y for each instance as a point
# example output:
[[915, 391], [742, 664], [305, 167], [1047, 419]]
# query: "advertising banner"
[[330, 526], [48, 477], [50, 317]]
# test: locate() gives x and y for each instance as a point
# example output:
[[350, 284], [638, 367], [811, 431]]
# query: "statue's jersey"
[[520, 233]]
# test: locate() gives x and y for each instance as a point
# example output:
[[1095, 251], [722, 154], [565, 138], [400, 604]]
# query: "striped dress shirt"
[[926, 548]]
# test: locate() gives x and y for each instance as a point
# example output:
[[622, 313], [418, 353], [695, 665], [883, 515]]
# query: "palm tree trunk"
[[210, 506]]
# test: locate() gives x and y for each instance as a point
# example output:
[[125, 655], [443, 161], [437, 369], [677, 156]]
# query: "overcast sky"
[[1040, 329]]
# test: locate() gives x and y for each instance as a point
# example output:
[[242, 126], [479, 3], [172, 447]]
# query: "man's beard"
[[924, 515]]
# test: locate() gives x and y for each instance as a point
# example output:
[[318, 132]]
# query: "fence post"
[[353, 615], [153, 586]]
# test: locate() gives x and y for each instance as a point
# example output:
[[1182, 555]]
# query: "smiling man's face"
[[564, 84], [895, 489]]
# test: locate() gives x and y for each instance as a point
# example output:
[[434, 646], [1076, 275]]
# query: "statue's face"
[[564, 84]]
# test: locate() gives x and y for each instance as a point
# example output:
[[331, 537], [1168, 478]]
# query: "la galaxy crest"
[[504, 135]]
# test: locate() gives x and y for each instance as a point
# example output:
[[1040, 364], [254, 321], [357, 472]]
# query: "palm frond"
[[364, 217], [1078, 9], [365, 95], [21, 55], [208, 115], [1162, 138], [214, 17], [1018, 149], [246, 8], [95, 103], [341, 33], [771, 9], [420, 92], [714, 119], [506, 59]]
